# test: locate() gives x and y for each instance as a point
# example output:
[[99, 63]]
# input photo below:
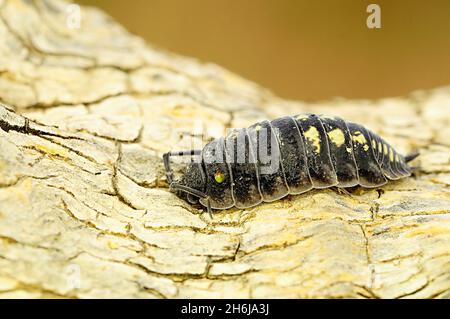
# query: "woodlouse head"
[[193, 183]]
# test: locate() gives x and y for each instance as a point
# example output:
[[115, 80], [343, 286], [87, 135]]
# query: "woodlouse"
[[289, 155]]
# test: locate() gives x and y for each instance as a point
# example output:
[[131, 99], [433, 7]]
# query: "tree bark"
[[85, 209]]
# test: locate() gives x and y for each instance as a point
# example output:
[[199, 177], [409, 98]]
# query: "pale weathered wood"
[[84, 206]]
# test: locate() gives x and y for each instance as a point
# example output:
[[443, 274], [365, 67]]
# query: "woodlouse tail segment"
[[411, 156], [369, 169], [393, 165]]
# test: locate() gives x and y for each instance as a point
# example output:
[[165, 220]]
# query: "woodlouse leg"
[[343, 191], [208, 206], [187, 189], [412, 156]]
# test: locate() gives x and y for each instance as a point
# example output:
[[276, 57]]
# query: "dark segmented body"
[[312, 151]]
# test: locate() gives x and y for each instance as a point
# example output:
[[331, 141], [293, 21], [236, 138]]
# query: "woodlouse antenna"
[[166, 160], [187, 189], [192, 191]]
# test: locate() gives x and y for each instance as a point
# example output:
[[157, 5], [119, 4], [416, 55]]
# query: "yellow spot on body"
[[380, 147], [337, 137], [349, 150], [385, 149], [366, 147], [359, 138], [258, 128], [312, 135], [396, 158], [374, 144], [391, 154]]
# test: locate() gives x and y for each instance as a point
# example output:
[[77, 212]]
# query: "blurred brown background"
[[306, 50]]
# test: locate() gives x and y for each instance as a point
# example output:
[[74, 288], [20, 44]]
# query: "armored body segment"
[[264, 144], [377, 146], [383, 157], [393, 163], [242, 163], [404, 167], [293, 155], [399, 164], [320, 166], [387, 166], [369, 171], [341, 151], [371, 141], [218, 177]]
